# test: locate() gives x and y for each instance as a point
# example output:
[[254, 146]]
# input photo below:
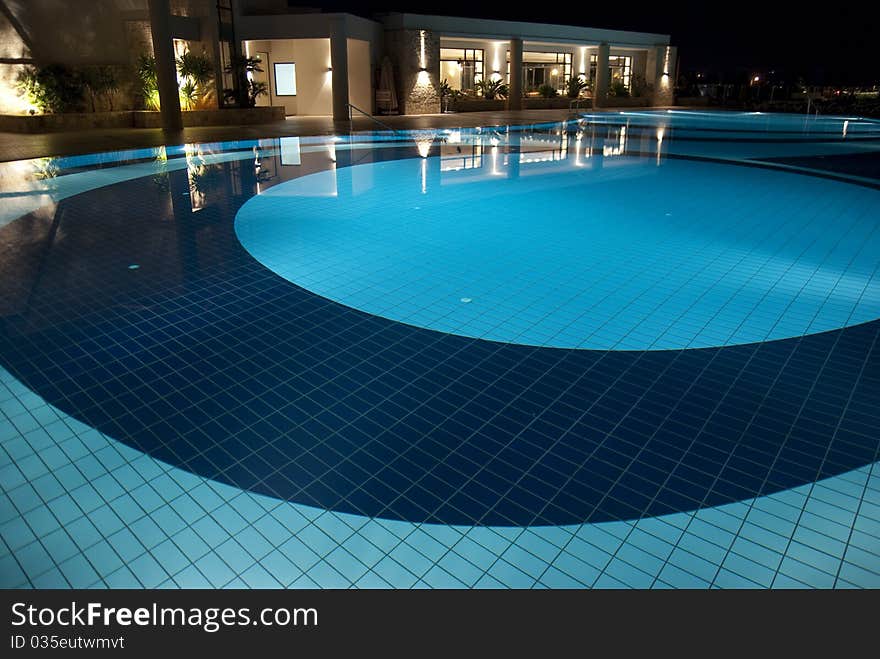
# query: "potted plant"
[[576, 86]]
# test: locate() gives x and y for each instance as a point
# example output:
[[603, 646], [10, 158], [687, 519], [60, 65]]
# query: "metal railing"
[[575, 104], [352, 107]]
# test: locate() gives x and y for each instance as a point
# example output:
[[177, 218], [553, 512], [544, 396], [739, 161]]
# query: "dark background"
[[824, 41]]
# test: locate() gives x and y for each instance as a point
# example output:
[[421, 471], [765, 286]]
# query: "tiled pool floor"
[[142, 447]]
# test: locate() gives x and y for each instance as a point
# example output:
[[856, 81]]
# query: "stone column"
[[515, 92], [416, 58], [600, 87], [166, 68], [665, 67], [640, 72], [652, 72], [339, 64]]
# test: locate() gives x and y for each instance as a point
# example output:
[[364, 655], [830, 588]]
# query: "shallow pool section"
[[625, 254]]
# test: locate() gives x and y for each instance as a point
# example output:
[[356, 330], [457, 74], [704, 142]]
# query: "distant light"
[[757, 78], [554, 72]]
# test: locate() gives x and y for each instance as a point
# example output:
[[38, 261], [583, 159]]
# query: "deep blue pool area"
[[593, 324]]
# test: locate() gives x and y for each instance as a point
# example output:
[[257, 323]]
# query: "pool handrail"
[[352, 106]]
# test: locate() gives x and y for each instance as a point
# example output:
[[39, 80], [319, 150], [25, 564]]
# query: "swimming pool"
[[503, 336]]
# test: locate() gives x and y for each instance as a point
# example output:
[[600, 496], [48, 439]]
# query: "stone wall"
[[416, 57], [107, 33], [662, 60]]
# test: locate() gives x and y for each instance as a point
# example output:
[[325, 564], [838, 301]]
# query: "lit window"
[[285, 79]]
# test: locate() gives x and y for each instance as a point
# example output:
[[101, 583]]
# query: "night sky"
[[837, 44]]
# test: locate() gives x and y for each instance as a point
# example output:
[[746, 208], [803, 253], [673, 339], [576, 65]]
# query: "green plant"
[[448, 95], [548, 91], [618, 89], [189, 94], [243, 69], [101, 82], [492, 89], [640, 87], [52, 88], [575, 86], [195, 73], [146, 73]]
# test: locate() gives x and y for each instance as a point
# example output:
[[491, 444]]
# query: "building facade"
[[314, 63]]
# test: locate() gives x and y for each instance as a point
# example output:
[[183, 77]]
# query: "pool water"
[[628, 255], [630, 349]]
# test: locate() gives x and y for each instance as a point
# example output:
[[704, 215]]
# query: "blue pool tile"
[[12, 573], [282, 569], [52, 578], [78, 572], [855, 574], [804, 573], [675, 577], [190, 577], [299, 553], [257, 577], [509, 575], [214, 569], [393, 420], [190, 543], [372, 580]]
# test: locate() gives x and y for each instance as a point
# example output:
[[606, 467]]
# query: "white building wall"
[[360, 74], [313, 81]]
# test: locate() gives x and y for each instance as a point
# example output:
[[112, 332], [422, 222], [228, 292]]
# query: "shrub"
[[492, 89], [195, 74], [101, 83], [53, 88], [146, 73], [640, 87], [618, 89], [548, 91]]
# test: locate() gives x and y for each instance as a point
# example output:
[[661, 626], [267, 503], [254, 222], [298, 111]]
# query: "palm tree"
[[196, 72]]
